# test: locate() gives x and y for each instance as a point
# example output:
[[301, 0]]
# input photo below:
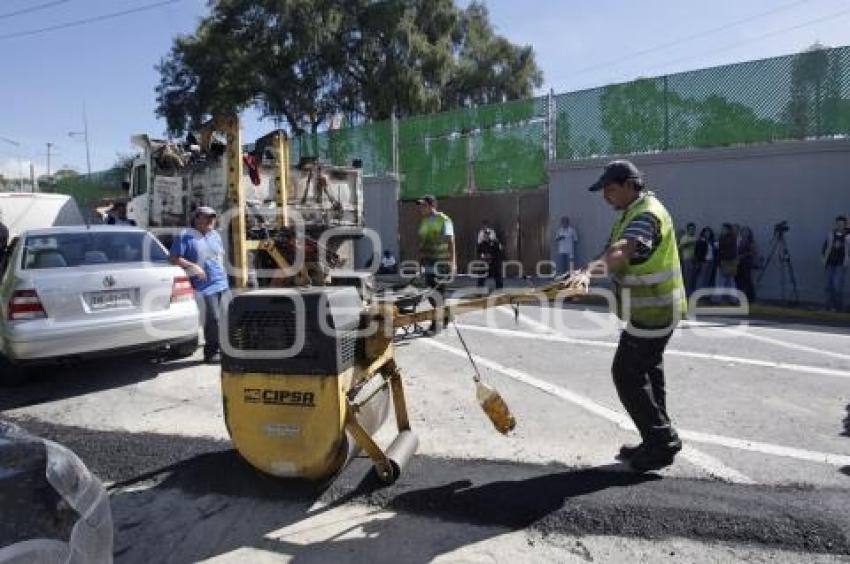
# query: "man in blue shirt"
[[200, 251]]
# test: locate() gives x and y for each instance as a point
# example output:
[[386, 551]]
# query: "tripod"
[[779, 248]]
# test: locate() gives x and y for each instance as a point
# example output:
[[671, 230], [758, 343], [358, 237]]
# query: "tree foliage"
[[301, 62]]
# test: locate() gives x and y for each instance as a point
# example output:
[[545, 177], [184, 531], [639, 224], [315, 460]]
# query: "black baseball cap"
[[617, 172], [429, 199]]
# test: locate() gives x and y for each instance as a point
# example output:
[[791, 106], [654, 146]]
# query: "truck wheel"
[[182, 350]]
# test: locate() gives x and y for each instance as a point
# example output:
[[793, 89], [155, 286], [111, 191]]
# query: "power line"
[[92, 19], [32, 9], [756, 38], [698, 35]]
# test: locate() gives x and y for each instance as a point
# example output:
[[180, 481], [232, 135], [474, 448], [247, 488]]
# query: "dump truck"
[[270, 211]]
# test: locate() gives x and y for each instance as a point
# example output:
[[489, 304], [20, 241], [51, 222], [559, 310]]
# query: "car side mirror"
[[125, 185]]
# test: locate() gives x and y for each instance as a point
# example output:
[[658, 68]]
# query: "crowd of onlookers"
[[723, 260], [726, 261]]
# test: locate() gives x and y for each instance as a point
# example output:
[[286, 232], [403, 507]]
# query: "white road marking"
[[618, 418], [748, 333], [709, 464], [767, 448], [548, 334]]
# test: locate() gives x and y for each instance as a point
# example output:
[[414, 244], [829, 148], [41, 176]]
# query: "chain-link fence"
[[794, 97], [506, 146]]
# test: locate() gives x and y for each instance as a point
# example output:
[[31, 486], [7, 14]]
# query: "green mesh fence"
[[794, 97], [370, 142], [504, 146]]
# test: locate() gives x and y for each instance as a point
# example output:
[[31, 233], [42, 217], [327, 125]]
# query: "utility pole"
[[49, 146], [32, 177], [85, 135]]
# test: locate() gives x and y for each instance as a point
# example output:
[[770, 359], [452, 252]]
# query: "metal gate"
[[519, 218]]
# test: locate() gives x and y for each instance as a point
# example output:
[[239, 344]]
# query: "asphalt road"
[[765, 476]]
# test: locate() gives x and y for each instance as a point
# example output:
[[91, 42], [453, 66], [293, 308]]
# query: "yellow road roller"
[[308, 376], [307, 379]]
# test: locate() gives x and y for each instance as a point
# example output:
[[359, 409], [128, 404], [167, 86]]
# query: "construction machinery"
[[308, 375], [308, 370], [272, 214]]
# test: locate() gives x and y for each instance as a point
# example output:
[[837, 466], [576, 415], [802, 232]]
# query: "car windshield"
[[76, 249]]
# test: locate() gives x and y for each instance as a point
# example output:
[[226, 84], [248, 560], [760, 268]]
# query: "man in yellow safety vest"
[[437, 258], [642, 259]]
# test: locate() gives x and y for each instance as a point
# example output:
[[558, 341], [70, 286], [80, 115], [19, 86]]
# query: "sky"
[[108, 66]]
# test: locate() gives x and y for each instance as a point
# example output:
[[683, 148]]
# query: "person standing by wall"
[[686, 253], [705, 254], [643, 259], [490, 251], [747, 253], [566, 237], [727, 264], [199, 250], [437, 256], [835, 253], [389, 264]]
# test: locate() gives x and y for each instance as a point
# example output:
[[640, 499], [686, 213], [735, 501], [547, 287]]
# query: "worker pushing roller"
[[309, 373], [643, 261]]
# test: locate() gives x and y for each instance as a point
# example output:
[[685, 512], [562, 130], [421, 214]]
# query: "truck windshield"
[[85, 248]]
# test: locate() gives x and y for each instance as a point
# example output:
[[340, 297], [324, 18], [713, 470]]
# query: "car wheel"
[[10, 374], [182, 350]]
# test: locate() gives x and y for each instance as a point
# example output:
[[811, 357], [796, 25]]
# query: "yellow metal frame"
[[236, 195]]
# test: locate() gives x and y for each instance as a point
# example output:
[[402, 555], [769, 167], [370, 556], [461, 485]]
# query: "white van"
[[21, 211]]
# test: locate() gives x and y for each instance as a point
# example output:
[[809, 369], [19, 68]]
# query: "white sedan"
[[76, 292]]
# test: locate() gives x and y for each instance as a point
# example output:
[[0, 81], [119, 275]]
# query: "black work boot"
[[627, 452], [655, 456]]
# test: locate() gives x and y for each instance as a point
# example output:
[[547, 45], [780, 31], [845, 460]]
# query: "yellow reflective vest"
[[652, 293], [433, 246]]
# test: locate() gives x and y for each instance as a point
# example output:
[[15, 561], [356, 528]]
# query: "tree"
[[490, 68], [723, 123], [815, 105], [640, 116], [64, 173], [303, 61]]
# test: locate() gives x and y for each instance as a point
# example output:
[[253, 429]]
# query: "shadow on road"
[[55, 382], [846, 432], [184, 499], [216, 503]]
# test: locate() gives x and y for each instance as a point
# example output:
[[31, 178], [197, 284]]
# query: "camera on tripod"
[[781, 228], [779, 249]]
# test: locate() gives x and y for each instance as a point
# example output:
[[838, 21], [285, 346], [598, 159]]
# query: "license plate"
[[111, 299]]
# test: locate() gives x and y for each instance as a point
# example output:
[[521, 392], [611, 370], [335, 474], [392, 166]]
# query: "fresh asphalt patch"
[[209, 477]]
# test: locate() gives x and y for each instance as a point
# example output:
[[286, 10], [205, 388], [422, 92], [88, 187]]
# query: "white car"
[[76, 292]]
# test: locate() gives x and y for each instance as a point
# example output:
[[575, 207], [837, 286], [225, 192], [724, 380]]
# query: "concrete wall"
[[806, 183], [380, 208]]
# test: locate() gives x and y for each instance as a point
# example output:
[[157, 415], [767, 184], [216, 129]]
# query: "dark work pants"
[[211, 311], [437, 298], [638, 371], [494, 271]]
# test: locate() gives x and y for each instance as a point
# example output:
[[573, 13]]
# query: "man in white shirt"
[[389, 265], [566, 238], [490, 252]]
